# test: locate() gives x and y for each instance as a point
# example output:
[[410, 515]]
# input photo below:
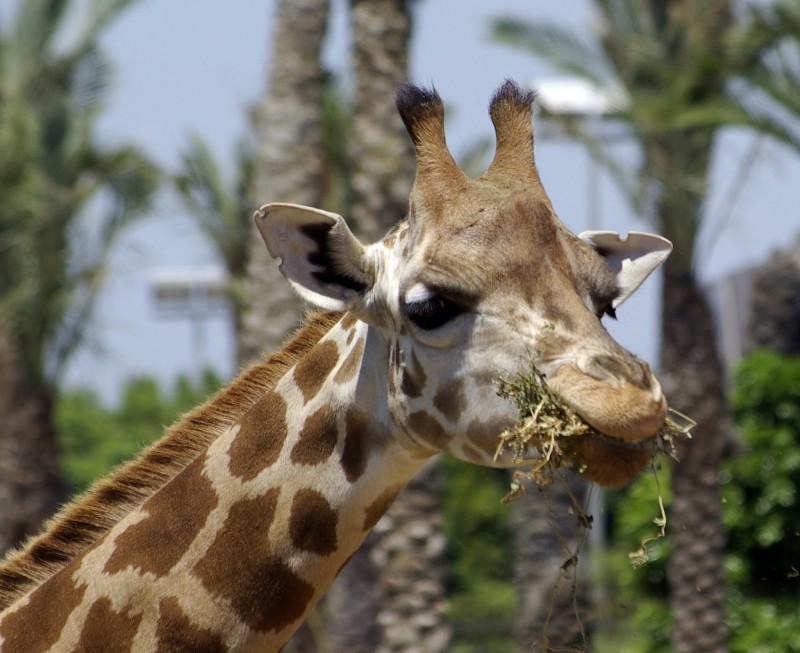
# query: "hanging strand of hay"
[[568, 573], [641, 555]]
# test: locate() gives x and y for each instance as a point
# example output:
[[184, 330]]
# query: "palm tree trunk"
[[289, 165], [381, 152], [693, 379], [409, 553], [774, 311], [391, 597], [554, 611], [31, 482]]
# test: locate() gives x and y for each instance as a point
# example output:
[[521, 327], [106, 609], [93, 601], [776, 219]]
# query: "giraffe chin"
[[609, 461]]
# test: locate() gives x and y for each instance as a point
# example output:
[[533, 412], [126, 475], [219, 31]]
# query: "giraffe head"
[[479, 282]]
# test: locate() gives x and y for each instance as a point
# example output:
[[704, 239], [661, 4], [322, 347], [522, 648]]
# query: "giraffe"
[[225, 533]]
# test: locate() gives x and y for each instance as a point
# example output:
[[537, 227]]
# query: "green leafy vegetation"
[[66, 196], [94, 438], [760, 491], [762, 495], [480, 586]]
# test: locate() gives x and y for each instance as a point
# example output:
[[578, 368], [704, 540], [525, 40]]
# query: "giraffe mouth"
[[551, 433], [603, 459]]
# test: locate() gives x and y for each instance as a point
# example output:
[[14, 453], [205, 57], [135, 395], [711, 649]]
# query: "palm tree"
[[64, 201], [774, 311], [382, 159], [397, 579], [674, 61], [765, 49], [288, 124], [223, 212]]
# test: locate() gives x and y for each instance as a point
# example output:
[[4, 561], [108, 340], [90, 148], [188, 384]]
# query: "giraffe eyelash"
[[432, 313]]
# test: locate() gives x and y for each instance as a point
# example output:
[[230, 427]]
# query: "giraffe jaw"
[[612, 462]]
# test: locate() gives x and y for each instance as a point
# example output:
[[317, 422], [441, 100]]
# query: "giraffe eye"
[[429, 314]]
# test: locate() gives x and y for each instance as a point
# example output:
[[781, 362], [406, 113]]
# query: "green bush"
[[94, 438], [761, 485], [762, 517], [480, 558]]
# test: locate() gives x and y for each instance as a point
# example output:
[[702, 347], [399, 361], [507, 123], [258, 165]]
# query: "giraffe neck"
[[234, 551]]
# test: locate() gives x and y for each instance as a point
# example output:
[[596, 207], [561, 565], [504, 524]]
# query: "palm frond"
[[222, 209], [560, 48], [35, 27], [54, 251], [96, 16]]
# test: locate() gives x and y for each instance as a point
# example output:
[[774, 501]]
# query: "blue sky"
[[181, 71]]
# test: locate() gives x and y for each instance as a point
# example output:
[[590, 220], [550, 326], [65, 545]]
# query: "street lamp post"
[[196, 294]]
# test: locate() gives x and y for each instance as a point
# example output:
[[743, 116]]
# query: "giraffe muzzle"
[[619, 399]]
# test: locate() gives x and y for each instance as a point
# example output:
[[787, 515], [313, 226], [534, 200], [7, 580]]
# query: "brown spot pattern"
[[375, 510], [484, 434], [311, 371], [317, 439], [107, 630], [348, 321], [414, 378], [450, 399], [260, 439], [48, 608], [351, 364], [428, 428], [175, 516], [241, 567], [177, 634], [348, 325], [354, 451], [312, 523]]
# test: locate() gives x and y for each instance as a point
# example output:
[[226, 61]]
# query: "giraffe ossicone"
[[224, 534]]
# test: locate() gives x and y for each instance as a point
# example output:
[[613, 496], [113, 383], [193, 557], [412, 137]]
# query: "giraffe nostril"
[[606, 368], [611, 368]]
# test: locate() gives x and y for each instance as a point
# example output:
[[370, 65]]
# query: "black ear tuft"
[[511, 93], [417, 104]]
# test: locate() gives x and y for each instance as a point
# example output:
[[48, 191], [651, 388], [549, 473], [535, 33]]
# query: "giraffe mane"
[[85, 520]]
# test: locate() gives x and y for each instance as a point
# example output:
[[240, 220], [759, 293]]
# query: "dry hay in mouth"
[[551, 427]]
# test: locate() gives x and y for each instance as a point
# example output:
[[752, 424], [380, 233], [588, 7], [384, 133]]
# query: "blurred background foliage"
[[94, 438], [760, 495]]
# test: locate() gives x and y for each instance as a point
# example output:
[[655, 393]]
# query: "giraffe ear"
[[632, 258], [320, 257]]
